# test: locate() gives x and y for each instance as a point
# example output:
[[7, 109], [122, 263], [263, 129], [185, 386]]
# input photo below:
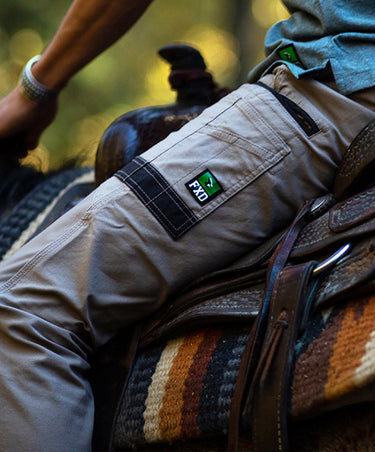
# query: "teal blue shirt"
[[323, 34]]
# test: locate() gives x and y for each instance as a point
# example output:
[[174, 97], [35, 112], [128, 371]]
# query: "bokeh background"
[[130, 75]]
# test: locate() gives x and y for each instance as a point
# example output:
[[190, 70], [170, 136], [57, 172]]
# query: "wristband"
[[31, 88]]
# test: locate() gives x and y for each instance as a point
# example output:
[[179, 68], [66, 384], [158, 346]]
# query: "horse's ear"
[[135, 132]]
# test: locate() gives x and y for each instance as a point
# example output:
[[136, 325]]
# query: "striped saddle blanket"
[[191, 374]]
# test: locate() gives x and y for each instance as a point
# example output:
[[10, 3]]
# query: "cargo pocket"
[[243, 146], [224, 151]]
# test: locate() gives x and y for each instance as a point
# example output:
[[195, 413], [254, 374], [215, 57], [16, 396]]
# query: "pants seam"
[[26, 268]]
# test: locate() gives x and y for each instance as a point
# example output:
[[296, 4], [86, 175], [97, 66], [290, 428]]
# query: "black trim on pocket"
[[303, 119], [155, 192]]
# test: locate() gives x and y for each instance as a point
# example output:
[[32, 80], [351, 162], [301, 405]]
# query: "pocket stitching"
[[239, 186]]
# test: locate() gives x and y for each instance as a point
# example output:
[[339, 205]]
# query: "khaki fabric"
[[118, 254]]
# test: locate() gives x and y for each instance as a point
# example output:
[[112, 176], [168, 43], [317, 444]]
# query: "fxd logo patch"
[[204, 187]]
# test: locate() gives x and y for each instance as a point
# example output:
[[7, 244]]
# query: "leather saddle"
[[325, 257]]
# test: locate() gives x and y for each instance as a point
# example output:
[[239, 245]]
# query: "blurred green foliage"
[[130, 74]]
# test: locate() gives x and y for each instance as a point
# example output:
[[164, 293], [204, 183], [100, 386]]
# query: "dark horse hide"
[[276, 352]]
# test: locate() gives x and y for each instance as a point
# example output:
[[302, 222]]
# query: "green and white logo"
[[289, 54], [204, 187]]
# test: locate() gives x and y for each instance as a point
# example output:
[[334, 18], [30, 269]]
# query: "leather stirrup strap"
[[242, 395], [277, 263], [290, 304]]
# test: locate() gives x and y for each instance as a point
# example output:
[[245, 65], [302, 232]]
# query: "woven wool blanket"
[[182, 389], [24, 220]]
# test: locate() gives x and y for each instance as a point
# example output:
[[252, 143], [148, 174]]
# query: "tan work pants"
[[192, 204]]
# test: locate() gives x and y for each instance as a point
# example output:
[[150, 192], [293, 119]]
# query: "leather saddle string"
[[242, 392], [291, 302], [277, 263]]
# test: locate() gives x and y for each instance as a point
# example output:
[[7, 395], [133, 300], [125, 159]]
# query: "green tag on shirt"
[[289, 54]]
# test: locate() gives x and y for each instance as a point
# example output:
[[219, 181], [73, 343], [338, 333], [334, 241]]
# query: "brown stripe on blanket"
[[194, 383]]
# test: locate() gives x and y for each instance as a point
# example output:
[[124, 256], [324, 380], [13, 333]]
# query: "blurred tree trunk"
[[249, 35]]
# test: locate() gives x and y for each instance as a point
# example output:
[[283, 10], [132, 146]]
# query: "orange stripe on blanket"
[[170, 413], [349, 348], [156, 391]]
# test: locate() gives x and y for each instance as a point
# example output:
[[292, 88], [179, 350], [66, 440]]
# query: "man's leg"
[[192, 204]]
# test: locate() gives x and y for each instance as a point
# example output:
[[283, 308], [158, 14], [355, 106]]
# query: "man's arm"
[[89, 27]]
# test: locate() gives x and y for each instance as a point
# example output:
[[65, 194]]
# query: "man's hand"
[[87, 30], [24, 119]]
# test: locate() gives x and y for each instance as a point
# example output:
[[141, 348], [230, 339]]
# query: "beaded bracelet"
[[32, 89]]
